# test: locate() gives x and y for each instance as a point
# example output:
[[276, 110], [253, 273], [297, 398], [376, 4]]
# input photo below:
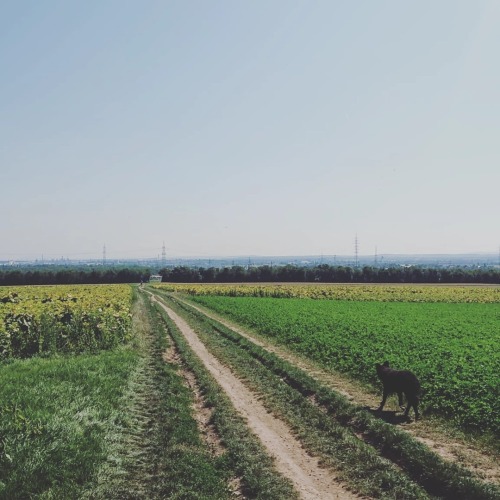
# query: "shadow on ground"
[[390, 416]]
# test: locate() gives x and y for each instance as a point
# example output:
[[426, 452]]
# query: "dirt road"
[[452, 449], [310, 480]]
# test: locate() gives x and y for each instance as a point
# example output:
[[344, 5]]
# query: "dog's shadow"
[[389, 416]]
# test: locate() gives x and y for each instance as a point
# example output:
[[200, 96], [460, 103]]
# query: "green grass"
[[453, 348], [55, 415], [181, 462]]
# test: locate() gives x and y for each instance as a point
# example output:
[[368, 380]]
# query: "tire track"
[[311, 480]]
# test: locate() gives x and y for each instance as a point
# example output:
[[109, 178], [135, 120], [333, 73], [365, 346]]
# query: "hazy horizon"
[[262, 128], [327, 257]]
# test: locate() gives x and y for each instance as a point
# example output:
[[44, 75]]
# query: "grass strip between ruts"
[[161, 452]]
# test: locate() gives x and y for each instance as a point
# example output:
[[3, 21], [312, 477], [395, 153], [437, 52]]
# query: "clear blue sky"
[[230, 128]]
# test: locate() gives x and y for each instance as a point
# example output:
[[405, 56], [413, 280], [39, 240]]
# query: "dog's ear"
[[386, 363]]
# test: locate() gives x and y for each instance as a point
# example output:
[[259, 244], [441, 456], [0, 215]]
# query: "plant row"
[[325, 273], [71, 273], [35, 320]]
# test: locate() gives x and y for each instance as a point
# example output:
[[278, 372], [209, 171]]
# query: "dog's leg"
[[400, 399], [384, 399]]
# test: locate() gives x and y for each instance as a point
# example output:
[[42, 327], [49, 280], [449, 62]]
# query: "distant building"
[[155, 278]]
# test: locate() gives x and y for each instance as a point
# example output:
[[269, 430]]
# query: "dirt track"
[[458, 451], [309, 479]]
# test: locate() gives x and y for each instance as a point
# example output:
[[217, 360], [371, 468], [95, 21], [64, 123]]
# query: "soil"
[[311, 480], [478, 460], [202, 412]]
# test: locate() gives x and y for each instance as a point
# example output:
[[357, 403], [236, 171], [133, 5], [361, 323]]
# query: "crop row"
[[51, 319], [378, 293], [453, 348]]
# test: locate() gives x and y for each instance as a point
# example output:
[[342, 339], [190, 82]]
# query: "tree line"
[[323, 273], [72, 276]]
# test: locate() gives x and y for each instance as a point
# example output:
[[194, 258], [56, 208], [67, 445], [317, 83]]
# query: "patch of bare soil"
[[310, 479], [202, 413], [483, 464]]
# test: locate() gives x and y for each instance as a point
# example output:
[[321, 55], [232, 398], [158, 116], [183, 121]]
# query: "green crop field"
[[453, 348]]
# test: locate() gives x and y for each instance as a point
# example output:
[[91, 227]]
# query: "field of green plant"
[[41, 319], [375, 458], [453, 348]]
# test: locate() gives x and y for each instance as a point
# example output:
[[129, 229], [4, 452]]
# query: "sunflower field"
[[63, 318], [375, 293]]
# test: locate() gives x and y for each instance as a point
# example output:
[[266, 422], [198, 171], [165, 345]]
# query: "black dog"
[[395, 381]]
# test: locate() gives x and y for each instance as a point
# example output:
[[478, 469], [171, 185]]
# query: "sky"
[[235, 128]]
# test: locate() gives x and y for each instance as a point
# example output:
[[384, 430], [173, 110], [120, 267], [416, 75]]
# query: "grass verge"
[[55, 416]]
